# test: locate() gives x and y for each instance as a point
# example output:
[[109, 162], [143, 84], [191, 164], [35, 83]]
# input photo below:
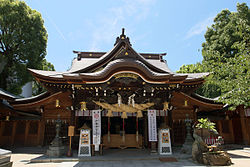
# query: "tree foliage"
[[23, 41], [226, 55], [37, 88], [205, 123]]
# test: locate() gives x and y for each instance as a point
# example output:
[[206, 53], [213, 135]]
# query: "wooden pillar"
[[42, 131], [41, 128], [123, 131], [195, 110], [137, 130], [231, 131], [145, 130], [27, 127], [1, 133], [13, 134], [1, 129], [38, 133], [108, 129], [243, 122], [153, 147], [219, 125], [248, 125]]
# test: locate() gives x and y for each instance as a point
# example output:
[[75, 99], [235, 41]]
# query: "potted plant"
[[205, 127]]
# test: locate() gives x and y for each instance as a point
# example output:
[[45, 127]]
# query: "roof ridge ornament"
[[123, 38]]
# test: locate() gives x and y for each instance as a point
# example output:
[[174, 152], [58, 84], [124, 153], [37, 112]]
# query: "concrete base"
[[5, 158], [57, 151], [186, 149]]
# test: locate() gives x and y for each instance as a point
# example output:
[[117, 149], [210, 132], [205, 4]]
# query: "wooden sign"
[[84, 143], [164, 145], [71, 130]]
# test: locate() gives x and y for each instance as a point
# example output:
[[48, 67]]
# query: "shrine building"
[[122, 87]]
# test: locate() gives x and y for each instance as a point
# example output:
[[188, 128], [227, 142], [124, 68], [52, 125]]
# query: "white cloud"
[[199, 27], [108, 25]]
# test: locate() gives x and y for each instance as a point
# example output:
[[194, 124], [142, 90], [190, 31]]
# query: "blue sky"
[[154, 26]]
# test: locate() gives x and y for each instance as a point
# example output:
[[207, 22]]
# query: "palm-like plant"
[[205, 123]]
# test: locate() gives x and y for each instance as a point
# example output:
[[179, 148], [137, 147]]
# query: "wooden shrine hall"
[[123, 86]]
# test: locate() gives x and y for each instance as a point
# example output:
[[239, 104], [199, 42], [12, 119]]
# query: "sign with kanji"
[[164, 144], [84, 143], [96, 126], [152, 127]]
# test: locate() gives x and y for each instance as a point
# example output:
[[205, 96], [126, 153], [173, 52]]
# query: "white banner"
[[152, 128], [96, 126]]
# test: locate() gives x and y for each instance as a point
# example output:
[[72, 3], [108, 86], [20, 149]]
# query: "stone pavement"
[[22, 157]]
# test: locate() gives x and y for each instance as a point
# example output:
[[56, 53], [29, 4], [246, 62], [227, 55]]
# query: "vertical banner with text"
[[96, 127], [152, 127]]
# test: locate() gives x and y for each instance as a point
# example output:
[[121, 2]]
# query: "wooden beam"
[[1, 130]]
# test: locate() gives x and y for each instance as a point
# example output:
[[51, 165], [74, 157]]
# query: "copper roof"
[[100, 66]]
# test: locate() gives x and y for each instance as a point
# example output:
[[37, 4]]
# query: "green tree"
[[210, 88], [226, 55], [37, 88], [23, 41]]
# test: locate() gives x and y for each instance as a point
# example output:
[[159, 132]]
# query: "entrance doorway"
[[131, 137]]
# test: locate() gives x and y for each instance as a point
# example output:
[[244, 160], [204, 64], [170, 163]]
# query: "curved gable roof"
[[122, 49]]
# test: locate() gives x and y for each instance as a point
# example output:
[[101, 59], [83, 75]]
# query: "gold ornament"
[[57, 103], [185, 103], [124, 115], [109, 114], [139, 114], [83, 106], [165, 105]]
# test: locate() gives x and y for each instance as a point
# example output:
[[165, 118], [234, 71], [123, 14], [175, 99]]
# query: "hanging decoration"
[[83, 106], [119, 100], [96, 91], [185, 103], [165, 104], [131, 100], [109, 114], [57, 103], [137, 108], [124, 115], [139, 114]]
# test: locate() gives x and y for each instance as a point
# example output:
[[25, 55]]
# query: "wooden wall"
[[225, 129], [21, 133], [178, 131]]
